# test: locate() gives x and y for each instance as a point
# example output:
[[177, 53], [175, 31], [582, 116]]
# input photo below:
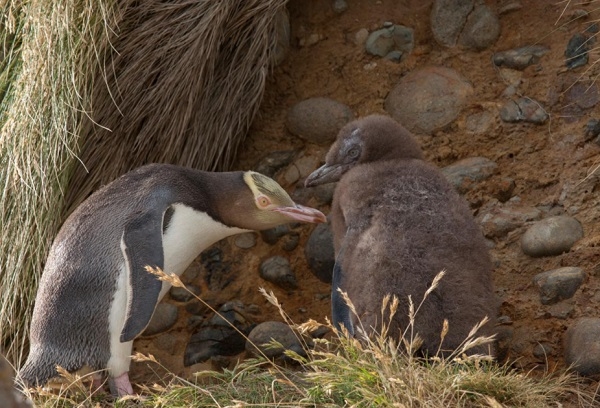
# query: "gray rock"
[[500, 220], [219, 273], [558, 284], [290, 241], [218, 336], [520, 58], [448, 17], [584, 95], [437, 95], [464, 174], [277, 270], [339, 6], [523, 110], [246, 240], [273, 162], [318, 120], [183, 294], [481, 29], [396, 38], [543, 350], [551, 236], [319, 252], [480, 122], [264, 333], [360, 37], [271, 236], [582, 346], [164, 317], [9, 396], [323, 193], [576, 53]]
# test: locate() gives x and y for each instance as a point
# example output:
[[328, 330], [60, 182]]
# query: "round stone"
[[318, 120], [558, 284], [551, 236], [436, 96], [319, 252], [267, 332], [582, 346], [164, 317], [277, 269]]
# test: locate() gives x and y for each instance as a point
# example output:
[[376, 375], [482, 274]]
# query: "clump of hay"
[[105, 86], [185, 81], [48, 51]]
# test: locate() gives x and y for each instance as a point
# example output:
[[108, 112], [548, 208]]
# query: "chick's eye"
[[354, 153], [263, 201]]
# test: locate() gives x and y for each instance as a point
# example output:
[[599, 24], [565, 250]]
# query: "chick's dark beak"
[[302, 213], [324, 174]]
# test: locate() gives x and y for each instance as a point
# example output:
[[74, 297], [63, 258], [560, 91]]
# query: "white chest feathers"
[[190, 232]]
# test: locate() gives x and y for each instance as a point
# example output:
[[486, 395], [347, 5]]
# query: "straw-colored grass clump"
[[104, 86], [377, 371]]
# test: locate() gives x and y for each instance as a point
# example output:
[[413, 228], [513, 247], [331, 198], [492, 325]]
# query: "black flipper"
[[340, 312], [143, 247]]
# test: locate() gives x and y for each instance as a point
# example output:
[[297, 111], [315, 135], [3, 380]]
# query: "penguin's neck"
[[188, 234]]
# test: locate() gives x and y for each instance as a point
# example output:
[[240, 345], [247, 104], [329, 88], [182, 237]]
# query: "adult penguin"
[[397, 222], [95, 295]]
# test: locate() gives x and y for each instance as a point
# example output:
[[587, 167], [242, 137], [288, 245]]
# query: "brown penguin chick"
[[397, 222]]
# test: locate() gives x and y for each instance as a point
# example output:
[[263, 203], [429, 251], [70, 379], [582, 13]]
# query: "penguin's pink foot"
[[97, 382], [120, 386]]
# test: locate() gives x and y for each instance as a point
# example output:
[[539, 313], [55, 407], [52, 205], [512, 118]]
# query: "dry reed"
[[185, 81]]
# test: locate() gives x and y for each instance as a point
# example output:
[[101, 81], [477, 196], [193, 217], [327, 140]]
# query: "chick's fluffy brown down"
[[400, 222]]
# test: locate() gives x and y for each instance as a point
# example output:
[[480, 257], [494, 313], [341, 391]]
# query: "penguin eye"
[[263, 201], [354, 153]]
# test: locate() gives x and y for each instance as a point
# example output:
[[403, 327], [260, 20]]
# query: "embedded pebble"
[[339, 6], [584, 95], [551, 236], [464, 174], [437, 95], [183, 294], [217, 337], [396, 39], [543, 350], [323, 193], [480, 122], [319, 252], [576, 54], [592, 130], [558, 284], [523, 110], [500, 220], [318, 120], [271, 236], [218, 272], [164, 317], [481, 29], [582, 346], [246, 240], [520, 58], [274, 161], [510, 7], [266, 332], [463, 22], [448, 17], [360, 37], [277, 270], [290, 241]]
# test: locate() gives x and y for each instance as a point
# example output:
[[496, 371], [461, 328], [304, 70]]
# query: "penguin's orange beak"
[[302, 213]]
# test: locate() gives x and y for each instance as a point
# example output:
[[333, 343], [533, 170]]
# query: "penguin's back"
[[405, 223], [70, 322]]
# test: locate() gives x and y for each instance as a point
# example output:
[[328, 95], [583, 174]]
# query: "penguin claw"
[[120, 386]]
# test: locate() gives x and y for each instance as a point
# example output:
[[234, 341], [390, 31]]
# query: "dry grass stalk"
[[185, 80], [49, 48]]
